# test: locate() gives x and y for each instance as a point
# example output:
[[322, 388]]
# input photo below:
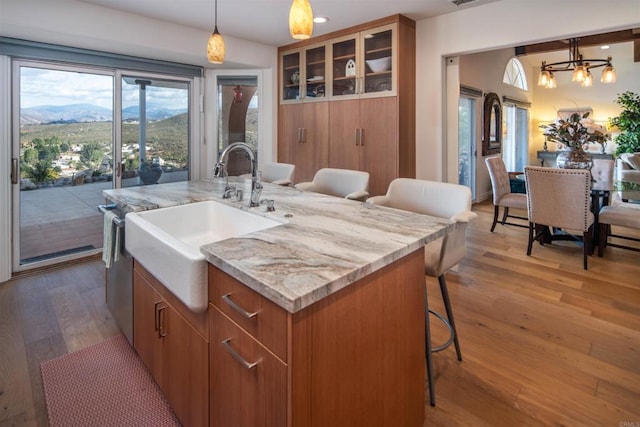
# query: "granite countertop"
[[324, 244]]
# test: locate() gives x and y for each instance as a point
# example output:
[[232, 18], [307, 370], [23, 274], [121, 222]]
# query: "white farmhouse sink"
[[167, 243]]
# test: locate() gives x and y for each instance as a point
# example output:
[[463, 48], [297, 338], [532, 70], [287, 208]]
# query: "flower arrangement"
[[576, 131]]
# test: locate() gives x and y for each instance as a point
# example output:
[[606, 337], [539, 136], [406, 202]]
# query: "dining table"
[[602, 192]]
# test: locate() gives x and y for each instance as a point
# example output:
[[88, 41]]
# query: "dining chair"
[[625, 216], [346, 183], [502, 195], [442, 200], [559, 198], [602, 178]]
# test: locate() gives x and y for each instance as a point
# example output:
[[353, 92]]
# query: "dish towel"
[[108, 238]]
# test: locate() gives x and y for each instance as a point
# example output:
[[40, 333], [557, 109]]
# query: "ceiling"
[[266, 21]]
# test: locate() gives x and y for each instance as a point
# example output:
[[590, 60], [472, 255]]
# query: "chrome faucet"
[[220, 170]]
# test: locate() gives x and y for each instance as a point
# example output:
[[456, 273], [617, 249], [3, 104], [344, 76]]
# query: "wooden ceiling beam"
[[594, 40]]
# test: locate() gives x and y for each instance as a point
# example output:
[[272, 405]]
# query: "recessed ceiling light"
[[606, 46], [320, 19]]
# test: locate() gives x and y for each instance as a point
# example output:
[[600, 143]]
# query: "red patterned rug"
[[103, 385]]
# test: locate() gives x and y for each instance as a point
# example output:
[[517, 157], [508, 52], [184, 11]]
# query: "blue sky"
[[55, 87]]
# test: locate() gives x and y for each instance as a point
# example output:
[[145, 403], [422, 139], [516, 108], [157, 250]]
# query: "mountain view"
[[82, 113], [71, 144]]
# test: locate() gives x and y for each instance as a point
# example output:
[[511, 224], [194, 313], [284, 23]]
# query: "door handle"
[[356, 134], [361, 136], [303, 134], [14, 170], [159, 319]]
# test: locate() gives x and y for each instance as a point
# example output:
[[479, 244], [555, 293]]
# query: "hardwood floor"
[[45, 315], [544, 342]]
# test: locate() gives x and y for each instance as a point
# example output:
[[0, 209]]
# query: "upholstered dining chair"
[[602, 177], [346, 183], [559, 198], [502, 195], [622, 215], [442, 200]]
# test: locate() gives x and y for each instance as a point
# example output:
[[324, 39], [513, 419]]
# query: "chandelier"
[[580, 66]]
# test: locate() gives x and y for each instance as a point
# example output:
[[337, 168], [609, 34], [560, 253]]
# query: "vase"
[[574, 158], [149, 173]]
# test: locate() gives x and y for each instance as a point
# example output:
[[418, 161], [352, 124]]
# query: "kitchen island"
[[319, 321]]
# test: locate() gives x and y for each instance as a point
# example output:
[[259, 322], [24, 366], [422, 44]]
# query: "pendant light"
[[215, 47], [300, 19]]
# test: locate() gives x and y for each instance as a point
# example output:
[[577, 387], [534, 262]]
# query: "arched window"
[[514, 74]]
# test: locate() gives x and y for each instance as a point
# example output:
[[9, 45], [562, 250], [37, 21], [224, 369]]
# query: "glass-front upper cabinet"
[[290, 75], [364, 64], [303, 74]]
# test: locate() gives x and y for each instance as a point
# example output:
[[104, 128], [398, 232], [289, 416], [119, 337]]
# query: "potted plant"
[[574, 133], [628, 122]]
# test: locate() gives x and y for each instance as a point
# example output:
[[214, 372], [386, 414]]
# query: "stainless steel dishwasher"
[[119, 279]]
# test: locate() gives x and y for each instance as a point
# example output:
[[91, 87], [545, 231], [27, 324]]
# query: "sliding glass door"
[[154, 131], [467, 136], [78, 131], [65, 152]]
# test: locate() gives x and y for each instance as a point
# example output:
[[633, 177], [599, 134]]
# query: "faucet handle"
[[229, 191], [270, 204]]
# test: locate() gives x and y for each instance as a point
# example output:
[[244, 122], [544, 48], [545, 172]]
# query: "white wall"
[[506, 23]]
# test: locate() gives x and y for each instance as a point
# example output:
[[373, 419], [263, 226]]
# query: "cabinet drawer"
[[261, 318], [248, 384]]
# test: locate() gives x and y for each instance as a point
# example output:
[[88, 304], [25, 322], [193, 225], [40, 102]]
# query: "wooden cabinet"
[[359, 139], [248, 371], [175, 353], [370, 111], [248, 382], [303, 137], [354, 358]]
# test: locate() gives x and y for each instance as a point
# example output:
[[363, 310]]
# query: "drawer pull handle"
[[227, 345], [227, 298]]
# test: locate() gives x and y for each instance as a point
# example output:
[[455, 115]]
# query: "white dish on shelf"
[[315, 78], [379, 65]]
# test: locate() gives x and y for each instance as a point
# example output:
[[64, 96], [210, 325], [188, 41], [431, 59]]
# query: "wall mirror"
[[492, 133]]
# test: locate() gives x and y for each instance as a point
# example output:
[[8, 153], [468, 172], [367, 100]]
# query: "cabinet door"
[[315, 73], [175, 354], [289, 125], [146, 301], [243, 394], [290, 75], [303, 137], [344, 125], [379, 144], [344, 67], [185, 372], [380, 63]]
